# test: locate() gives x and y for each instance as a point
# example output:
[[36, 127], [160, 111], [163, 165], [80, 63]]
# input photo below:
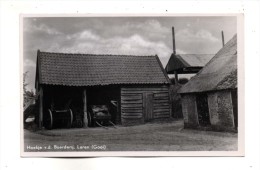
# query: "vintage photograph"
[[97, 84]]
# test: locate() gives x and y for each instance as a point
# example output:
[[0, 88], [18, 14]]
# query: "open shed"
[[187, 63], [209, 99], [134, 88]]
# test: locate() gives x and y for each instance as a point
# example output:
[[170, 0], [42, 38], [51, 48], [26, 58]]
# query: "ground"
[[160, 136]]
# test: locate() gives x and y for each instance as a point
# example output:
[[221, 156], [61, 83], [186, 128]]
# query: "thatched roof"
[[219, 73], [182, 62], [89, 70]]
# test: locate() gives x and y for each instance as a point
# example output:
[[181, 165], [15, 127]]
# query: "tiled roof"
[[179, 61], [219, 74], [89, 70]]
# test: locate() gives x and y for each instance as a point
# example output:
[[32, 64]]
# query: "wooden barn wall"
[[141, 104]]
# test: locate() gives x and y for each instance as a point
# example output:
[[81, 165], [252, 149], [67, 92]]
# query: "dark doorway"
[[235, 105], [148, 109], [106, 95], [63, 106], [203, 109]]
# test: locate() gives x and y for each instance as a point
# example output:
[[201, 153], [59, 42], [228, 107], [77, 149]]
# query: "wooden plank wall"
[[133, 106], [161, 104]]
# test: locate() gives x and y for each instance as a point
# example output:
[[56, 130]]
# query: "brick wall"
[[221, 110], [189, 109], [213, 108]]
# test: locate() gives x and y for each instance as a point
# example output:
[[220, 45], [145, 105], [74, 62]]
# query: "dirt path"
[[167, 136]]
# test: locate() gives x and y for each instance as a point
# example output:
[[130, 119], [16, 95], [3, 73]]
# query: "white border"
[[239, 152], [10, 91]]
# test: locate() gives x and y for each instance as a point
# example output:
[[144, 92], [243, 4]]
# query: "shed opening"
[[62, 107], [203, 109], [108, 96]]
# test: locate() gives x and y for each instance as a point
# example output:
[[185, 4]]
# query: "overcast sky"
[[123, 35]]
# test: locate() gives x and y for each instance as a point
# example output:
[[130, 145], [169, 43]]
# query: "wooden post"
[[176, 77], [41, 108], [171, 100], [85, 119], [173, 41], [223, 40]]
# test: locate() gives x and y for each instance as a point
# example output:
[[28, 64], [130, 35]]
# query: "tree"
[[28, 96]]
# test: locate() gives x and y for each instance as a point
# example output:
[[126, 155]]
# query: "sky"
[[122, 35]]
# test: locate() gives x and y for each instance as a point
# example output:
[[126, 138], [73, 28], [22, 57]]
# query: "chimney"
[[223, 40], [173, 41]]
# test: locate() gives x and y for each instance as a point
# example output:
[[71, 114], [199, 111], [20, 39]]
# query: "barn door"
[[148, 106]]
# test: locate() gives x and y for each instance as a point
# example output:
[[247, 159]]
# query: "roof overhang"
[[185, 70]]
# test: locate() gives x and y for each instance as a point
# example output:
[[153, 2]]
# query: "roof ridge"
[[88, 54]]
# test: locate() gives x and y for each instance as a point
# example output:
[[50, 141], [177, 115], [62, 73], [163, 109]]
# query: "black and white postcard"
[[132, 85]]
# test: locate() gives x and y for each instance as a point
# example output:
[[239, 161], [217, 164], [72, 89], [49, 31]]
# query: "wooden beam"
[[170, 100], [85, 103], [176, 77], [173, 41], [223, 40], [41, 108]]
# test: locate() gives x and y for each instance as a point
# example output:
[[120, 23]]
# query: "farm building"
[[209, 99], [133, 89], [187, 63], [183, 64]]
